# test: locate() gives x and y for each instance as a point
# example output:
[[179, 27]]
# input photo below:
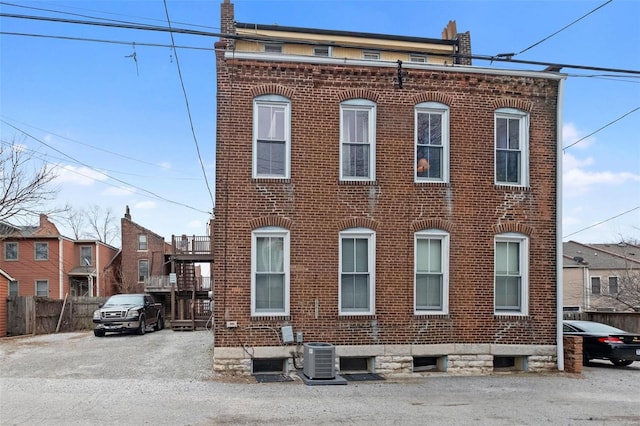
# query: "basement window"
[[356, 364], [509, 363], [268, 365], [429, 363]]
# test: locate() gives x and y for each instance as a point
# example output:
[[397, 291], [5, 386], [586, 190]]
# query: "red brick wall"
[[572, 354], [317, 205], [131, 255]]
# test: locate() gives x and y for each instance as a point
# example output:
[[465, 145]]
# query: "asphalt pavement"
[[166, 378]]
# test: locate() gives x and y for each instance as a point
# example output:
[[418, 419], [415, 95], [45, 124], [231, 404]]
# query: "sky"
[[125, 121]]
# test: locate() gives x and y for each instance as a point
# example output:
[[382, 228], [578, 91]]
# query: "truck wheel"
[[98, 333], [143, 326], [159, 325]]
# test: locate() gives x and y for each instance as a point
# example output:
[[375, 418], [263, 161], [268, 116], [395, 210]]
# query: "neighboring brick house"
[[596, 275], [5, 279], [45, 263], [380, 194]]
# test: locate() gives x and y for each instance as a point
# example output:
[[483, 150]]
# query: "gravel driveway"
[[165, 378]]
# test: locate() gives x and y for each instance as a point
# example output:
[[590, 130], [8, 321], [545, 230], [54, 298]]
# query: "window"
[[432, 142], [142, 242], [13, 288], [431, 264], [10, 251], [271, 136], [86, 258], [371, 54], [357, 140], [270, 271], [415, 57], [357, 271], [511, 274], [613, 285], [143, 270], [42, 251], [42, 288], [512, 145], [322, 51], [273, 48], [595, 285]]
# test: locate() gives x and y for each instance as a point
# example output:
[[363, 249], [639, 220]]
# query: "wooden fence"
[[627, 321], [41, 315]]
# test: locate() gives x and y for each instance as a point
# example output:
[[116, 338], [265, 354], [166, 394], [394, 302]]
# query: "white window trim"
[[371, 55], [443, 110], [329, 51], [276, 100], [35, 285], [370, 107], [146, 242], [524, 272], [148, 269], [443, 236], [523, 118], [370, 235], [271, 231], [82, 263]]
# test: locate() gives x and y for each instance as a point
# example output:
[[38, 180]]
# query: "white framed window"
[[41, 251], [326, 51], [432, 142], [86, 256], [42, 288], [271, 136], [270, 272], [357, 272], [431, 267], [613, 284], [13, 288], [511, 273], [511, 147], [143, 270], [273, 47], [142, 242], [371, 54], [596, 285], [10, 251], [417, 57], [357, 139]]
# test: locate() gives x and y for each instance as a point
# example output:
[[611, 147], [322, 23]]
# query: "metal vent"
[[319, 360]]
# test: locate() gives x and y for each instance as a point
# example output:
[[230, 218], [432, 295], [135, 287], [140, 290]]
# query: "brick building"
[[45, 263], [381, 194]]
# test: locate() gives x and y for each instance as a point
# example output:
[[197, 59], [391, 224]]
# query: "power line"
[[601, 128], [604, 221]]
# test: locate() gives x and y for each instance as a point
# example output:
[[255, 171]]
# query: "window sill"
[[513, 316], [508, 187], [352, 316], [434, 315], [434, 183], [358, 182], [273, 317], [271, 180]]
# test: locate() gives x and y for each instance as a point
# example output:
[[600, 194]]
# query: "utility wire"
[[601, 128], [564, 28], [110, 177], [604, 221], [186, 101]]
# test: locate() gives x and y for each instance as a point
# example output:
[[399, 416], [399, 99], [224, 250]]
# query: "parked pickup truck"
[[128, 313]]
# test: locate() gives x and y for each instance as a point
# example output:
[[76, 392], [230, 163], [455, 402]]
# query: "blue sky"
[[118, 131]]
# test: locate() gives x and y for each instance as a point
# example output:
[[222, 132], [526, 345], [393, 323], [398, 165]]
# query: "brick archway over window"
[[272, 89], [442, 224], [358, 94], [278, 221], [358, 222], [433, 97], [520, 104], [518, 227]]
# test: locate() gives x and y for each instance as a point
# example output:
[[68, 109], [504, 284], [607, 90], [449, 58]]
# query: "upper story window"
[[613, 285], [10, 251], [371, 54], [432, 142], [431, 261], [322, 51], [511, 147], [357, 139], [42, 251], [357, 271], [270, 271], [511, 271], [143, 270], [142, 242], [273, 48], [596, 285], [415, 57], [86, 256], [271, 136]]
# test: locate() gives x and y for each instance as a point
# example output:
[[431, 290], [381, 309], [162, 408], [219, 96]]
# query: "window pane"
[[270, 292], [143, 270], [613, 285], [11, 251], [428, 291], [429, 161], [271, 157], [507, 293], [271, 122], [513, 262], [42, 288], [355, 160], [348, 255], [13, 288], [595, 285], [362, 255], [514, 133], [42, 251], [355, 291], [501, 133], [513, 166], [502, 258]]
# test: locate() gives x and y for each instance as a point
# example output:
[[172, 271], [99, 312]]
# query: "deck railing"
[[162, 283], [191, 244]]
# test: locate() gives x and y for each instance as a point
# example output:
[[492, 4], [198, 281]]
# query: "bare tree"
[[76, 220], [25, 187], [628, 294], [102, 223]]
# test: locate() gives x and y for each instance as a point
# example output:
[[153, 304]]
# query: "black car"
[[601, 341]]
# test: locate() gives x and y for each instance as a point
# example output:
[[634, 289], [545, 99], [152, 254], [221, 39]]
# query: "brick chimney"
[[450, 32], [227, 22], [47, 228]]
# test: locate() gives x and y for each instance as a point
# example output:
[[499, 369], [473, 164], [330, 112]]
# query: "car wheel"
[[98, 333], [143, 326], [621, 362]]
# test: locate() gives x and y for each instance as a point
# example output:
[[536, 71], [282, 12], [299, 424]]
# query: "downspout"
[[97, 270], [60, 268], [585, 285], [559, 285]]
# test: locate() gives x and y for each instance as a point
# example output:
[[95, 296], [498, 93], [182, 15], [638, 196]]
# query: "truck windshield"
[[125, 299]]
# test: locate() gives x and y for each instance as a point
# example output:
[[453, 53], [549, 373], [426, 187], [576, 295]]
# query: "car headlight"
[[96, 315], [133, 314]]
